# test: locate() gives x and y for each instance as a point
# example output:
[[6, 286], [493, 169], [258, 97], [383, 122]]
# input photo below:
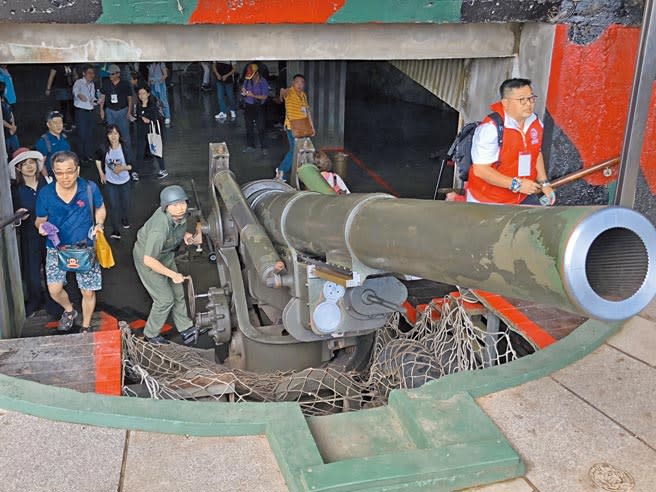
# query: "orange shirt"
[[516, 141]]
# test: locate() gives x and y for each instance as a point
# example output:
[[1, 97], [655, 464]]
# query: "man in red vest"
[[513, 172]]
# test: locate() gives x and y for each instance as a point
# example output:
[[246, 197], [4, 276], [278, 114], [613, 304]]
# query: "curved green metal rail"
[[448, 442]]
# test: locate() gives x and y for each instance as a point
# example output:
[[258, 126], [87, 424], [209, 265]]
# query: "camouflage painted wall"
[[575, 12], [593, 61]]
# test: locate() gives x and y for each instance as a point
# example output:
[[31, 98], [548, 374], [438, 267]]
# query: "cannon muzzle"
[[597, 261]]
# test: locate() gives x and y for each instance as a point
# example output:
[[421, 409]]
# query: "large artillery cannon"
[[304, 275]]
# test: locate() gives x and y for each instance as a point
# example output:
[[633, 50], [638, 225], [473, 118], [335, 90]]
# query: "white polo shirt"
[[87, 89]]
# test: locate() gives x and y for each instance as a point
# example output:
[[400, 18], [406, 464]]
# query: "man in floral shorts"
[[64, 205]]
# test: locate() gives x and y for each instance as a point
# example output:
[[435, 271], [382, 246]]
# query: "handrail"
[[581, 173], [20, 214], [564, 180]]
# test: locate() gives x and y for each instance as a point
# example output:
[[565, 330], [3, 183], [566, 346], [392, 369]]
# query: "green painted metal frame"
[[436, 417]]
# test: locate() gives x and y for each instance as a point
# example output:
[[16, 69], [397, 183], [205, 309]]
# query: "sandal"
[[67, 320]]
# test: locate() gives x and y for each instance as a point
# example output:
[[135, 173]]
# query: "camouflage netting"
[[434, 347]]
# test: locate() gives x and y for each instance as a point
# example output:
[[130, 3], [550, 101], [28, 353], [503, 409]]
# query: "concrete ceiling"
[[52, 43]]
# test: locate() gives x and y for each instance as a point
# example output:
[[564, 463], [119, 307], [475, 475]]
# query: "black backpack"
[[460, 150]]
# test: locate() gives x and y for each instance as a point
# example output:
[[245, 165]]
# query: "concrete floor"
[[38, 455], [599, 410]]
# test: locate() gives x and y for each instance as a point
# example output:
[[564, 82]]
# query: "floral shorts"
[[91, 280]]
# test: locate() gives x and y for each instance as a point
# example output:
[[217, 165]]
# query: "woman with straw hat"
[[25, 170]]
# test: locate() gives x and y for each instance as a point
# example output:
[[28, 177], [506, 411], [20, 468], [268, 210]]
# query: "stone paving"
[[599, 410], [38, 455]]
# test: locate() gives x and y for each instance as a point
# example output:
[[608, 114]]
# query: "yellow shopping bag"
[[104, 251]]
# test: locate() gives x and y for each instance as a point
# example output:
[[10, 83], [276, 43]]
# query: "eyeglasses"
[[65, 173], [524, 100], [114, 73]]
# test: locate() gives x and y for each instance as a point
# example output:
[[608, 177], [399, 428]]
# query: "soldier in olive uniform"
[[154, 259]]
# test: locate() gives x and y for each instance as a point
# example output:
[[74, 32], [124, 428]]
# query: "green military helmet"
[[172, 194]]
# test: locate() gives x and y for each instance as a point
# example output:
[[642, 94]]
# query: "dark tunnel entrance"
[[398, 126], [396, 129]]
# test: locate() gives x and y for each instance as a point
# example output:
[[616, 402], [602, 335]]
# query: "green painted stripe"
[[443, 469], [294, 448], [612, 192], [146, 11], [398, 11], [433, 423]]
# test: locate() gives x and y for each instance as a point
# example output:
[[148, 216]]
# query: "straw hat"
[[251, 71], [22, 154]]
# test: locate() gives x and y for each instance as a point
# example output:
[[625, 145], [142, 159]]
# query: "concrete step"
[[438, 443]]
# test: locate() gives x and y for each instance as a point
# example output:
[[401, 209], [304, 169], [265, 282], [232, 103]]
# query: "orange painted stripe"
[[107, 322], [264, 11], [107, 356], [519, 320], [373, 174], [412, 313]]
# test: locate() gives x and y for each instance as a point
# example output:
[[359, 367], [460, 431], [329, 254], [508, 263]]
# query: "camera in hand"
[[113, 163]]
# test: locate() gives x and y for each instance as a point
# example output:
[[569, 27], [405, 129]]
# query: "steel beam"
[[643, 81], [47, 43]]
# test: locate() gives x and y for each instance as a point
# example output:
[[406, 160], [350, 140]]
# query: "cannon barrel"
[[266, 260], [597, 261]]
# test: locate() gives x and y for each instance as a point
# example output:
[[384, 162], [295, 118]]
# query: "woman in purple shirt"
[[255, 92]]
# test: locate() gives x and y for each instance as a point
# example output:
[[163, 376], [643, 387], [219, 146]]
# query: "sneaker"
[[125, 223], [265, 152], [162, 173], [233, 114], [158, 340], [249, 149], [135, 176], [167, 122], [205, 88], [67, 320], [220, 116], [190, 336], [115, 235]]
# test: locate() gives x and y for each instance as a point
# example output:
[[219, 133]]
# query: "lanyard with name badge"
[[524, 165]]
